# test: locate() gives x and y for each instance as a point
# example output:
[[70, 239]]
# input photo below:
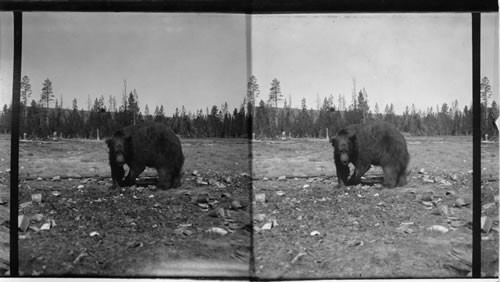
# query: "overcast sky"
[[195, 60], [404, 59], [198, 60]]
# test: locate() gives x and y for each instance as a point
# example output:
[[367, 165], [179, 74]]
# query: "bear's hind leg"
[[402, 178], [164, 178], [391, 174]]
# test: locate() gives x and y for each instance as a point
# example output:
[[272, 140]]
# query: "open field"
[[202, 228], [305, 228]]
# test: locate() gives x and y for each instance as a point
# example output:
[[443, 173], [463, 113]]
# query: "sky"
[[404, 59], [174, 60], [200, 60]]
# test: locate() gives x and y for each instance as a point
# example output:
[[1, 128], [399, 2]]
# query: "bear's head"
[[118, 146], [343, 145]]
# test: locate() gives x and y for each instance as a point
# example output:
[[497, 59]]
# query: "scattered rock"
[[259, 217], [450, 193], [46, 226], [354, 243], [459, 202], [23, 222], [236, 205], [56, 178], [261, 198], [486, 224], [217, 230], [315, 233], [25, 205], [438, 228], [37, 217], [282, 178], [36, 198], [297, 257], [267, 226]]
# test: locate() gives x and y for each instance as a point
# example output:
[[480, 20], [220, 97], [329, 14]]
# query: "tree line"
[[40, 119], [333, 114], [262, 117]]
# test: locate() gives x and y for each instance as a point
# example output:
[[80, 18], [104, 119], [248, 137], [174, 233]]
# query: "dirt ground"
[[4, 204], [305, 228], [81, 228]]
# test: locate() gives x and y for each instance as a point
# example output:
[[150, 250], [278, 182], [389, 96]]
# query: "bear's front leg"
[[342, 174], [359, 171], [117, 174]]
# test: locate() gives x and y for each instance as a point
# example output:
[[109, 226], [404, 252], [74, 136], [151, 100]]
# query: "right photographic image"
[[362, 145]]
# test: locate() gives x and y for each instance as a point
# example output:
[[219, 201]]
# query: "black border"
[[249, 7], [253, 6], [14, 144], [476, 145]]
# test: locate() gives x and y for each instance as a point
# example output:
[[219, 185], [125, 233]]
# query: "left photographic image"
[[6, 69], [134, 153]]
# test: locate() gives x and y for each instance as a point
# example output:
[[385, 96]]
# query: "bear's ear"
[[128, 139], [332, 140], [109, 142], [352, 138]]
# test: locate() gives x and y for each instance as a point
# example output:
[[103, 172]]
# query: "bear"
[[375, 143], [145, 145]]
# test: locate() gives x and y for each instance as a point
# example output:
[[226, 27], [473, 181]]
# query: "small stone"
[[45, 226], [280, 193], [23, 222], [80, 186], [36, 198], [486, 224], [459, 202], [56, 178], [56, 193], [315, 233], [421, 171], [267, 226], [217, 230], [260, 198], [37, 217], [236, 205], [25, 205], [282, 178], [306, 186], [259, 217], [438, 228]]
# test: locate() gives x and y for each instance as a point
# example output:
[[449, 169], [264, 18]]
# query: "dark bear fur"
[[373, 143], [146, 145]]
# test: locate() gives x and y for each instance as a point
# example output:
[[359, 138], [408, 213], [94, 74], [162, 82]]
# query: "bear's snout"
[[344, 159], [120, 160]]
